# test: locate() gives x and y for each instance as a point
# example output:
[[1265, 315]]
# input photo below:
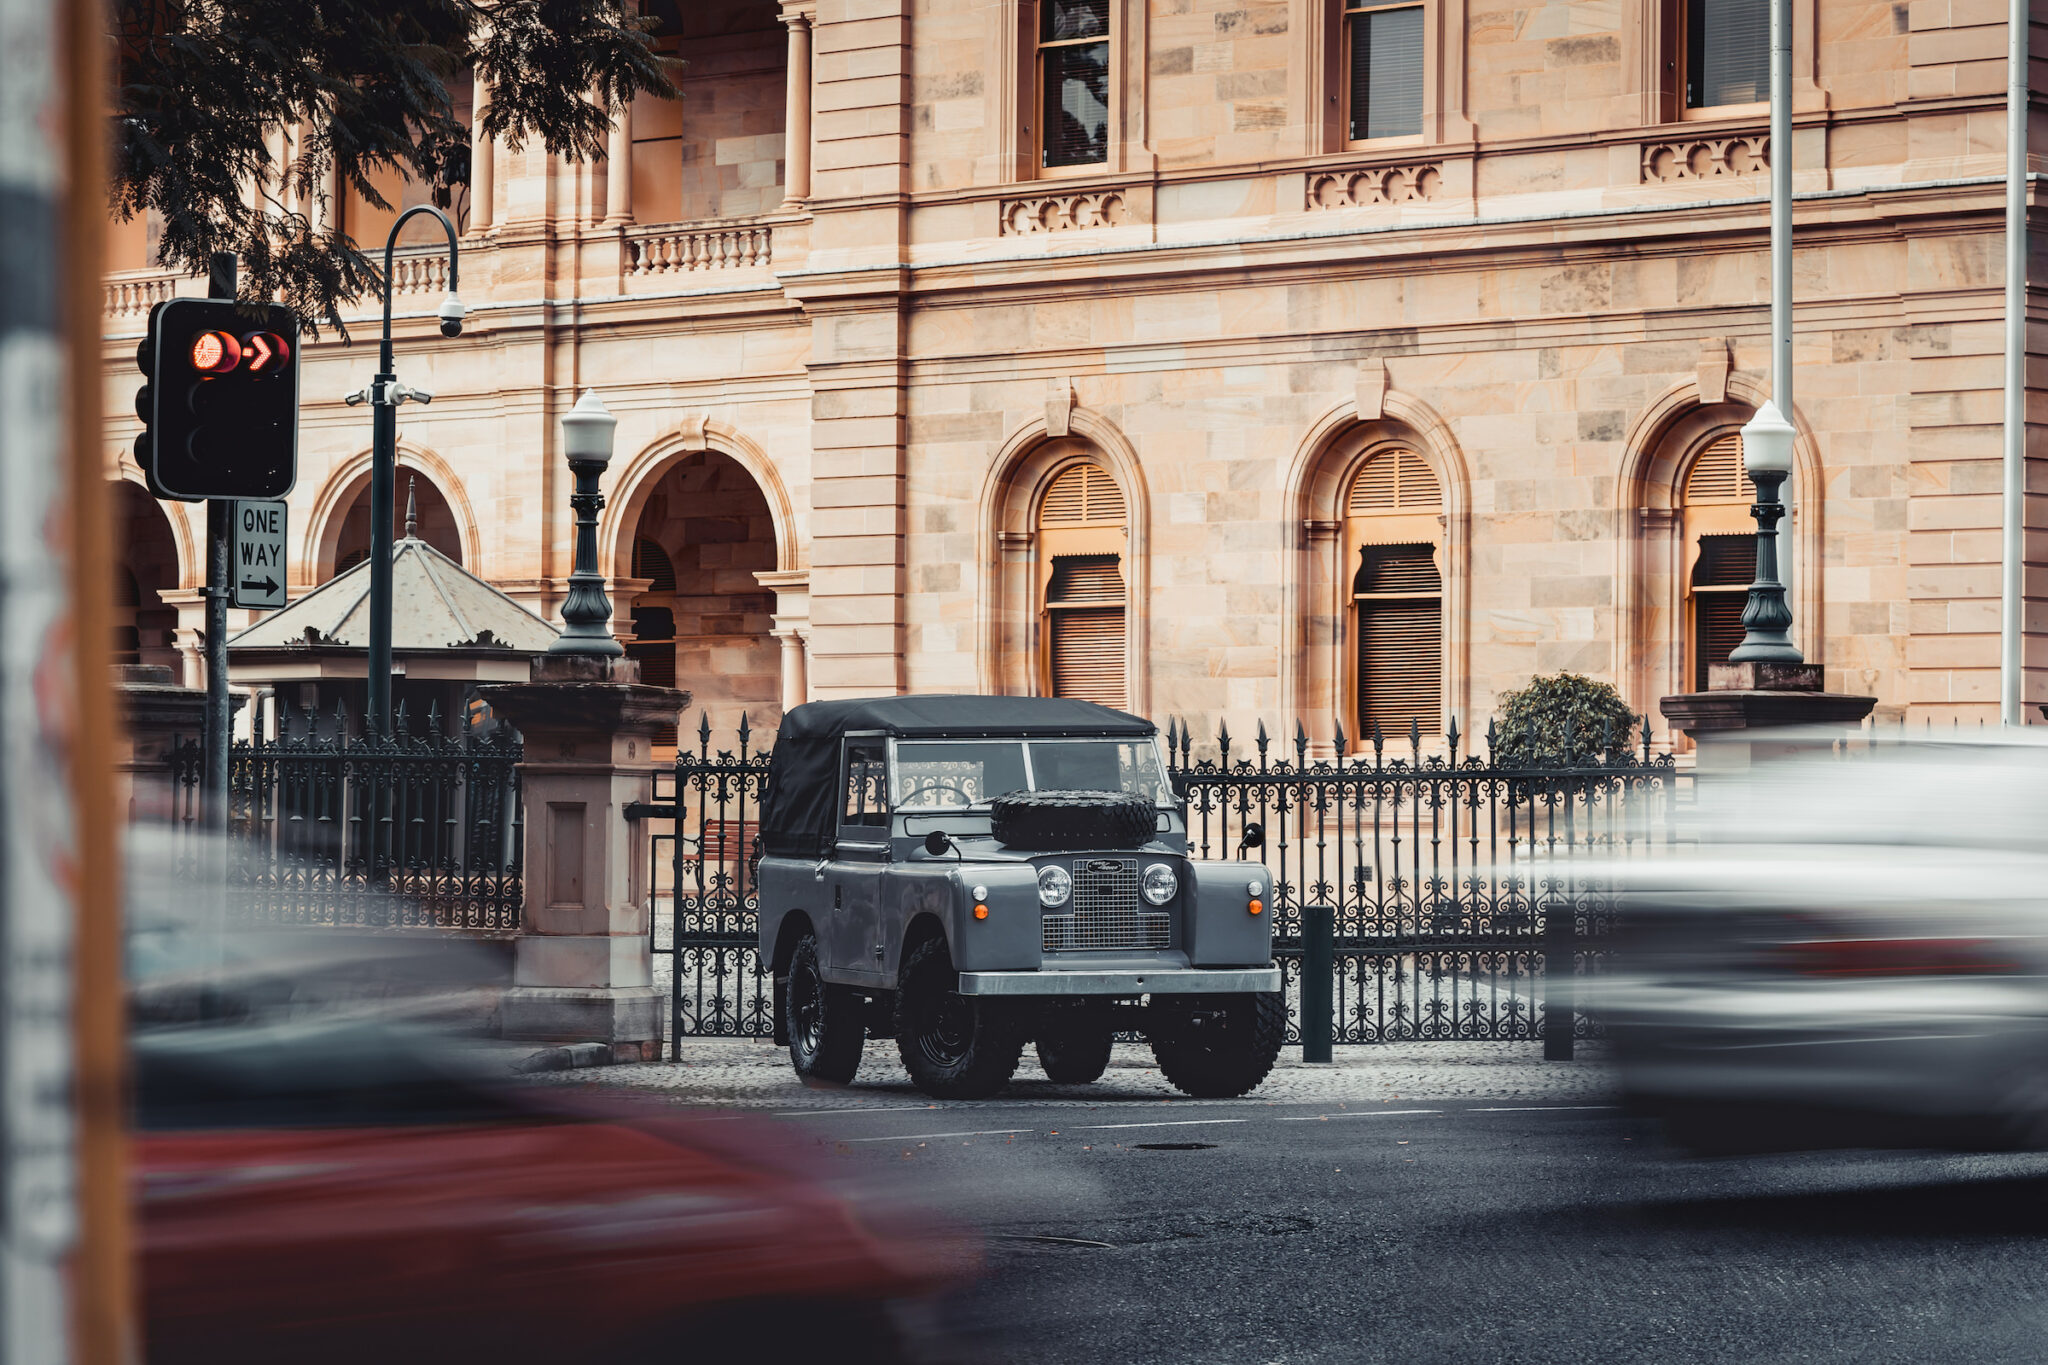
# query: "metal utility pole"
[[1781, 206], [384, 395], [2012, 547], [220, 284]]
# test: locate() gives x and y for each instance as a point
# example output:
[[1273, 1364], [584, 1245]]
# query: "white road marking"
[[923, 1137], [1539, 1108], [1353, 1114], [1174, 1123], [890, 1109]]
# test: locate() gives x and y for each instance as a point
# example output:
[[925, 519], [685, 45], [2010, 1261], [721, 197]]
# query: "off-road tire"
[[955, 1047], [1214, 1063], [1074, 1042], [826, 1028], [1053, 820]]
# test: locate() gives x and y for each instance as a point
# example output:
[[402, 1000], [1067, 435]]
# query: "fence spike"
[[1492, 739], [434, 718], [1263, 741], [1300, 744], [1606, 737], [1451, 735], [1172, 738], [1343, 743], [1379, 742], [746, 732], [340, 722], [704, 735], [1646, 736], [1223, 743], [403, 723]]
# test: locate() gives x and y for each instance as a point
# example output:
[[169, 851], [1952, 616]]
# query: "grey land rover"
[[969, 874]]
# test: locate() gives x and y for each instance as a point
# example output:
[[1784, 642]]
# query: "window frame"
[[1680, 14], [1397, 527], [1053, 543], [1035, 113], [1347, 10], [1696, 521], [866, 833]]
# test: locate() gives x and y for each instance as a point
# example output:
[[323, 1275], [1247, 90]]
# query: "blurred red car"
[[328, 1191]]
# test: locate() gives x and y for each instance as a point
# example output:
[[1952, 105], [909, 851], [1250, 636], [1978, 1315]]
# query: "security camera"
[[451, 314], [358, 398]]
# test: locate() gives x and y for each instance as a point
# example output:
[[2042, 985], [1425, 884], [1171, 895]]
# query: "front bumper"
[[1165, 981]]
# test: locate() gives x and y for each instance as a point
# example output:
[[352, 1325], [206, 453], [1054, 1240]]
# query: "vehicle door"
[[854, 935]]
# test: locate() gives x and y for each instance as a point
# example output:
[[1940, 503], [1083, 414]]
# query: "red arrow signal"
[[265, 352]]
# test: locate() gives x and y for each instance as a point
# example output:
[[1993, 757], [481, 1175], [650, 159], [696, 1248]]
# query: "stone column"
[[483, 177], [796, 125], [795, 684], [791, 624], [618, 168], [583, 968], [155, 714]]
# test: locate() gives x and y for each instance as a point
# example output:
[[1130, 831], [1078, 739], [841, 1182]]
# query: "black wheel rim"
[[945, 1028], [806, 1010]]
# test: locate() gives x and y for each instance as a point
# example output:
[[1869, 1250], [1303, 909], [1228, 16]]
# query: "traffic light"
[[220, 412]]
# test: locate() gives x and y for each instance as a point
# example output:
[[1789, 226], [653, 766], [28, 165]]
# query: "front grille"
[[1106, 911]]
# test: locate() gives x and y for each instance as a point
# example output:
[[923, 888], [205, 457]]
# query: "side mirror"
[[1254, 836], [937, 843]]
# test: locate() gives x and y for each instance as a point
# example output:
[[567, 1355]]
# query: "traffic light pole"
[[220, 284]]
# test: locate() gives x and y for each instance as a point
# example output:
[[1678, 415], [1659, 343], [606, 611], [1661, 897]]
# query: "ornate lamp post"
[[1766, 618], [587, 612], [384, 395]]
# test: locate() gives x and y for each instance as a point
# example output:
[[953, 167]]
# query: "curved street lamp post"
[[384, 395]]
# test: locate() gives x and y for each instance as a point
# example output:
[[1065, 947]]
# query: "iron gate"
[[1445, 870]]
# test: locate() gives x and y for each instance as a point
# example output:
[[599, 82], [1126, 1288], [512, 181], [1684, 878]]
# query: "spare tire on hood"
[[1073, 820]]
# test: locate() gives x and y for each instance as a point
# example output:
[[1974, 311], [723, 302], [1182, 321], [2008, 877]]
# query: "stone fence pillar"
[[583, 963], [1760, 710], [155, 713]]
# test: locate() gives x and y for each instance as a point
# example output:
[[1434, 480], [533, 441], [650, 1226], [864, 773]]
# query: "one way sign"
[[256, 563]]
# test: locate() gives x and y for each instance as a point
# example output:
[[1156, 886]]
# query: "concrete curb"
[[573, 1056]]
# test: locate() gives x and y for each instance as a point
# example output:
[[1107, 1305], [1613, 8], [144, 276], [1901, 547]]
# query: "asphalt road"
[[1142, 1230]]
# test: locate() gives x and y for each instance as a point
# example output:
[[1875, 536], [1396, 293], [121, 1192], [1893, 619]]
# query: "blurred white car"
[[1854, 955]]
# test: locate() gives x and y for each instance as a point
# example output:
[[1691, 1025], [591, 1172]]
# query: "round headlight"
[[1255, 888], [1054, 886], [1159, 884]]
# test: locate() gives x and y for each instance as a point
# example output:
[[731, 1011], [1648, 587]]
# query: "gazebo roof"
[[437, 606]]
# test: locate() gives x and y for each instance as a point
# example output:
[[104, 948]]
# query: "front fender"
[[1009, 939], [1222, 931]]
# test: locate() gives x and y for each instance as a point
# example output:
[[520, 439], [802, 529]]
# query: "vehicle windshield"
[[957, 774]]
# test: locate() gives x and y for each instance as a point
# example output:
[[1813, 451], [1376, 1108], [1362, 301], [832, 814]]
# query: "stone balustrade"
[[1706, 158], [673, 250], [419, 274], [132, 296], [1368, 185]]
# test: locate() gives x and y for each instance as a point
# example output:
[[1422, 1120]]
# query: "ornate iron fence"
[[1454, 880], [413, 831], [1457, 883]]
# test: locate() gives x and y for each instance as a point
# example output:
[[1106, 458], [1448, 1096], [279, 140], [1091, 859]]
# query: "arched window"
[[1720, 554], [1394, 543], [1082, 540]]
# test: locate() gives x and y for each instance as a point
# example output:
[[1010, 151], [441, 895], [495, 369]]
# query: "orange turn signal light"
[[981, 912], [1257, 907]]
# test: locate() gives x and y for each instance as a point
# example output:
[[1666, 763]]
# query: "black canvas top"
[[798, 813]]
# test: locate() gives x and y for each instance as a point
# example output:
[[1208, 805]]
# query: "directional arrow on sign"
[[265, 585]]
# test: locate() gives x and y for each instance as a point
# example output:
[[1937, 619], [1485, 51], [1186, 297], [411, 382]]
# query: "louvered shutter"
[[651, 562], [1720, 589], [1398, 594], [1085, 601], [1727, 52], [657, 660], [1394, 481], [1082, 495], [1717, 475], [1088, 655], [1386, 73]]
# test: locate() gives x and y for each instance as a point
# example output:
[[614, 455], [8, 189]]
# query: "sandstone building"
[[1274, 360]]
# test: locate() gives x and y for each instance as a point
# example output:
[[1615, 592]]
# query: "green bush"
[[1565, 704]]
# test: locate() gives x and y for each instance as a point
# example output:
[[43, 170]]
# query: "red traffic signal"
[[215, 352], [265, 354]]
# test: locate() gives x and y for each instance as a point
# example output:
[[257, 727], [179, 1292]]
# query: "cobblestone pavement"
[[751, 1073]]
